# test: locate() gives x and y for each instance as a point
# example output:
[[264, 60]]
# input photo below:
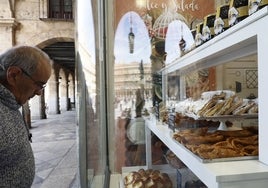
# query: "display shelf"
[[236, 42], [224, 118], [225, 159], [248, 173], [248, 37], [245, 38]]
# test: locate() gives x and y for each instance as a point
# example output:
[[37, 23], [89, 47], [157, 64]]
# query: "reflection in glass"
[[179, 40], [131, 37], [132, 81]]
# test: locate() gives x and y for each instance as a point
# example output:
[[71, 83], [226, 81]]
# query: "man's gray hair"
[[25, 57]]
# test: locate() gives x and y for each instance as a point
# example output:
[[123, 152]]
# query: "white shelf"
[[248, 173], [248, 37], [237, 41]]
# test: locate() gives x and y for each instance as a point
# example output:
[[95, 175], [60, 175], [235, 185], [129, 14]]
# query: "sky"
[[142, 45]]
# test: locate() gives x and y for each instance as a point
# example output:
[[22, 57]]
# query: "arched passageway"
[[58, 95]]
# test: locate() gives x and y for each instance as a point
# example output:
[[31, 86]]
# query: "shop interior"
[[185, 103]]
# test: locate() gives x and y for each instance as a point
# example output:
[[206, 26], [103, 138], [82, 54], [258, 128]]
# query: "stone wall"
[[26, 22]]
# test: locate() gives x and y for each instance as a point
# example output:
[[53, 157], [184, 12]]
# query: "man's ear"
[[13, 74]]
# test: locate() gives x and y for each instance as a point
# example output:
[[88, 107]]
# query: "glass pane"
[[144, 44], [214, 99], [92, 131], [54, 5], [132, 71], [67, 5]]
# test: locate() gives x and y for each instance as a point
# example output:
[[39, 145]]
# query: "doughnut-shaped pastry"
[[137, 184], [251, 150], [154, 179], [131, 177]]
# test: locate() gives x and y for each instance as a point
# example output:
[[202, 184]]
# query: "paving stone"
[[55, 150]]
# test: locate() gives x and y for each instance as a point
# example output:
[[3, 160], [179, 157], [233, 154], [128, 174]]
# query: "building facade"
[[43, 24]]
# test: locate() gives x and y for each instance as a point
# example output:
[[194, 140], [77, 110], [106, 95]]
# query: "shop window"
[[60, 9], [132, 81]]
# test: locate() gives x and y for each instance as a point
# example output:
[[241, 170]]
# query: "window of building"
[[60, 9]]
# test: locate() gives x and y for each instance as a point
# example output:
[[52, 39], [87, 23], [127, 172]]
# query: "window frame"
[[61, 14]]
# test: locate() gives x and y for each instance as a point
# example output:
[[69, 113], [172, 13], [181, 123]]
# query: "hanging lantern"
[[141, 70], [131, 38]]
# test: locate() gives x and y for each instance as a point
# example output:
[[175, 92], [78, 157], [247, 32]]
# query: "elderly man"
[[24, 71]]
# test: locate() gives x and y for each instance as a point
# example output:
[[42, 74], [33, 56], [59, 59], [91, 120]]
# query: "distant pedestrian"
[[24, 71]]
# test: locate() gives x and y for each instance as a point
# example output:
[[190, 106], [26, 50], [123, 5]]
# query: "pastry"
[[203, 139], [236, 104], [220, 144], [243, 109], [131, 177], [227, 105], [215, 109], [251, 150], [147, 179], [235, 133], [207, 106]]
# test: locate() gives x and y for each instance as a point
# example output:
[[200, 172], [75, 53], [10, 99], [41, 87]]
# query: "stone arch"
[[44, 39]]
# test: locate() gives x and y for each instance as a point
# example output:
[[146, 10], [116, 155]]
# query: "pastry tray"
[[223, 117], [216, 159]]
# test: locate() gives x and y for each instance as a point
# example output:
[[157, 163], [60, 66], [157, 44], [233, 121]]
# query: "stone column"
[[53, 97], [52, 92], [71, 90], [7, 25], [63, 95], [38, 107], [35, 106], [43, 106], [27, 114]]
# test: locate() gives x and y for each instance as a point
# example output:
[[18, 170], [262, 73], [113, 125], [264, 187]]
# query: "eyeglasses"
[[41, 85]]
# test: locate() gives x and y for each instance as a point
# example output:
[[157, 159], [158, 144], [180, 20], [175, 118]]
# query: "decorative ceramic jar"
[[255, 5], [238, 10], [221, 20], [208, 28], [198, 36]]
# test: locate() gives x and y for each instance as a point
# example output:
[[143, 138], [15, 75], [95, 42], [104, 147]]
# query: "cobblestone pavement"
[[55, 150]]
